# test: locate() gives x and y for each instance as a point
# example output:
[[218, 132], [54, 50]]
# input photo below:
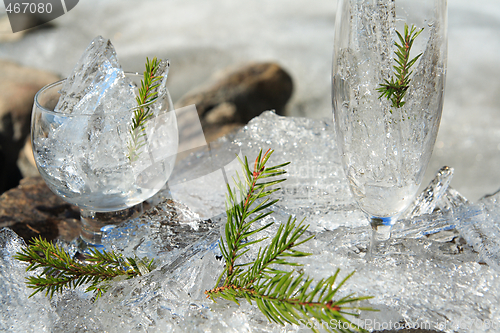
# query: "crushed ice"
[[442, 269]]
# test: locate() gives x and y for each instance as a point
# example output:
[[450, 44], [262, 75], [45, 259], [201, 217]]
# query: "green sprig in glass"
[[148, 92], [395, 88]]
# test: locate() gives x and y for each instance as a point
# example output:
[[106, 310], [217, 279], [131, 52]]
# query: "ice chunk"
[[18, 312], [482, 230], [167, 227], [420, 282], [426, 202], [171, 298], [432, 210], [162, 70], [87, 155], [97, 83], [83, 144]]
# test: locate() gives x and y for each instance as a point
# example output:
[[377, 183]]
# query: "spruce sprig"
[[395, 89], [148, 92], [60, 270], [283, 297], [238, 208]]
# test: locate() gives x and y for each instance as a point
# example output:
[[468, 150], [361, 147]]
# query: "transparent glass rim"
[[53, 84]]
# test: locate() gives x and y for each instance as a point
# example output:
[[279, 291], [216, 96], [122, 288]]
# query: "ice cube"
[[97, 83], [163, 71], [427, 200]]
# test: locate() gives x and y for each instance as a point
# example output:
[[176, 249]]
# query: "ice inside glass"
[[85, 144]]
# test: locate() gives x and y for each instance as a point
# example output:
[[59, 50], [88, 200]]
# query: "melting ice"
[[440, 268]]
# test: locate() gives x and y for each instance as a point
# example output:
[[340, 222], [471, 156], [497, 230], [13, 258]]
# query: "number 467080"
[[29, 7]]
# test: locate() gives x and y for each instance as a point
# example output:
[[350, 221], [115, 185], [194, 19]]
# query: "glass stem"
[[94, 223], [381, 233]]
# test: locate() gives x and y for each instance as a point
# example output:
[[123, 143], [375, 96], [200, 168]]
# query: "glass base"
[[95, 223]]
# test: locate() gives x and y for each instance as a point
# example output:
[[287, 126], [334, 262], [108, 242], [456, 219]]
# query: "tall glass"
[[102, 162], [385, 145]]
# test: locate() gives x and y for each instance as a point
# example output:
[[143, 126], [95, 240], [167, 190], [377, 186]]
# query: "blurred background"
[[204, 38]]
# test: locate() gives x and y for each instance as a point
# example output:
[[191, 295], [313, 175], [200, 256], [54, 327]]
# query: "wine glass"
[[387, 105], [102, 162]]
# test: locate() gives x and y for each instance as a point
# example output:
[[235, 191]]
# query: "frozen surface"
[[430, 275], [18, 312], [483, 230], [165, 228]]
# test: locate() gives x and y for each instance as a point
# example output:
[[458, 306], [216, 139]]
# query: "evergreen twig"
[[283, 297], [148, 92], [395, 89], [60, 270]]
